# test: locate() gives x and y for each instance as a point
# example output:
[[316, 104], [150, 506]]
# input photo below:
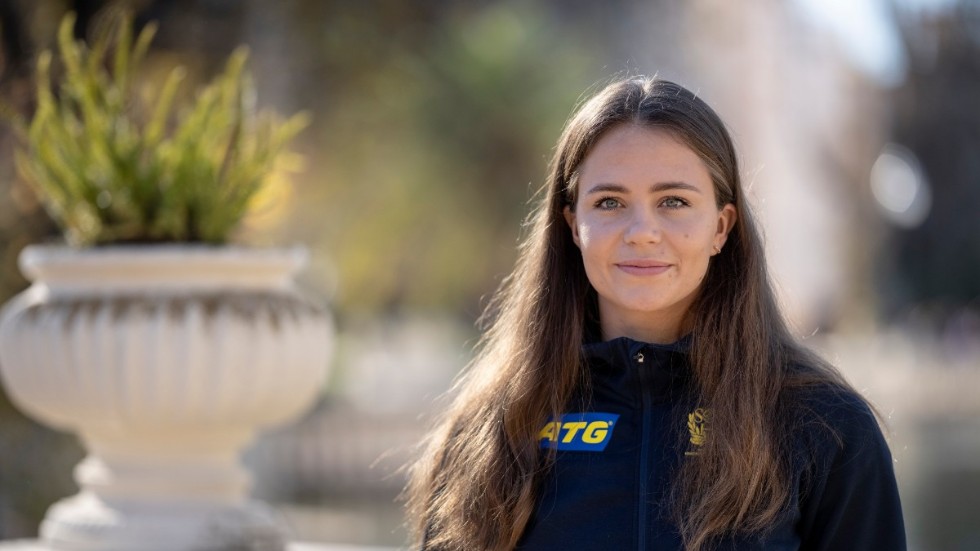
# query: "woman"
[[637, 387]]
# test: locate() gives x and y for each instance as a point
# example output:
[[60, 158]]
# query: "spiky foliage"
[[112, 165]]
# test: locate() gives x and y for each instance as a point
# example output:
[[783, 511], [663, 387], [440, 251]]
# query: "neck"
[[658, 328]]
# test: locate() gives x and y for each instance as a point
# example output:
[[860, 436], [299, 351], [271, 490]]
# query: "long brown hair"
[[475, 485]]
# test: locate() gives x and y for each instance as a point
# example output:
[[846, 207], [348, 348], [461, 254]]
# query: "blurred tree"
[[434, 121], [937, 115], [429, 142]]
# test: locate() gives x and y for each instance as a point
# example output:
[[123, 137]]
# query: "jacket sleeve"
[[850, 498]]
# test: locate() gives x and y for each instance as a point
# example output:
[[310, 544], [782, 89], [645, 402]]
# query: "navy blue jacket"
[[617, 450]]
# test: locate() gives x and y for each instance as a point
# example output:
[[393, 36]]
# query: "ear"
[[570, 219], [727, 217]]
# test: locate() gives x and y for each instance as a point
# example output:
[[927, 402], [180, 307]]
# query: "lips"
[[643, 267]]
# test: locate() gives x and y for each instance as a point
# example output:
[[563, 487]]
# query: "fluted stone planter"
[[165, 360]]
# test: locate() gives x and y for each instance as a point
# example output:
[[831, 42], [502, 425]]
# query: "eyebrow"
[[655, 188]]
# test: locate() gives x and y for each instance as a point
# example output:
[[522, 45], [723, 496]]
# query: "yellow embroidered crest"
[[697, 425]]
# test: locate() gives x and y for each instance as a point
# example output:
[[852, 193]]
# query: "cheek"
[[598, 231], [693, 235], [593, 248], [590, 235]]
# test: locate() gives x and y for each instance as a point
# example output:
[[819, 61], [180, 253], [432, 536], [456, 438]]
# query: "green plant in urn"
[[113, 165]]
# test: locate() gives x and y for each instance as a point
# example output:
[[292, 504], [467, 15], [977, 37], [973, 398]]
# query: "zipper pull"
[[638, 357]]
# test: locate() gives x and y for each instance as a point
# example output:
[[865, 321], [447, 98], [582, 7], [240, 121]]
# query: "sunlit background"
[[858, 124]]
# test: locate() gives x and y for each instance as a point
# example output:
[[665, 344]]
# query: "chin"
[[652, 305]]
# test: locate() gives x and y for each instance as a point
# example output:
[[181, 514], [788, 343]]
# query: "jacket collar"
[[663, 373], [616, 347]]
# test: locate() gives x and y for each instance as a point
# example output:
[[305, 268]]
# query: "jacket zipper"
[[643, 485]]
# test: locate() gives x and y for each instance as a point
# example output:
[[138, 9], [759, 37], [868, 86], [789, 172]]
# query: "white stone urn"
[[165, 361]]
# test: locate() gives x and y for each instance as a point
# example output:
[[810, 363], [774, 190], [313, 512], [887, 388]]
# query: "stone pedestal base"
[[86, 522]]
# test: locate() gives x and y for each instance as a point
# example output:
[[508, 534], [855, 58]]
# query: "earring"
[[717, 249]]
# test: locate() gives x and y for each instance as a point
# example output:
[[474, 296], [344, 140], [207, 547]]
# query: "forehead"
[[633, 154]]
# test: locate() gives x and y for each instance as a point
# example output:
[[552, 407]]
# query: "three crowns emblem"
[[697, 425]]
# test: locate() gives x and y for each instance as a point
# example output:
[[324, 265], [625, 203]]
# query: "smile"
[[643, 267]]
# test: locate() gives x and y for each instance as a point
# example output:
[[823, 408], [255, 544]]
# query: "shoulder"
[[848, 496], [835, 404], [833, 425]]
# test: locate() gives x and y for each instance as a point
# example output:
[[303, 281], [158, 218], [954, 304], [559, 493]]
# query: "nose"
[[642, 227]]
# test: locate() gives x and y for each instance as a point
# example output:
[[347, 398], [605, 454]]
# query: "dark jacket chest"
[[618, 497]]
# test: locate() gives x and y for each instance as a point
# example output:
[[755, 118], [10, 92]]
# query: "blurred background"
[[858, 123]]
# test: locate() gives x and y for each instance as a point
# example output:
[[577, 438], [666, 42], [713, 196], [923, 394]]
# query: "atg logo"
[[581, 432]]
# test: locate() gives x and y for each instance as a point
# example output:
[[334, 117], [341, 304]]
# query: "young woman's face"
[[647, 225]]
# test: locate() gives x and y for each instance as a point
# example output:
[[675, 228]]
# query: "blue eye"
[[607, 203], [673, 203]]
